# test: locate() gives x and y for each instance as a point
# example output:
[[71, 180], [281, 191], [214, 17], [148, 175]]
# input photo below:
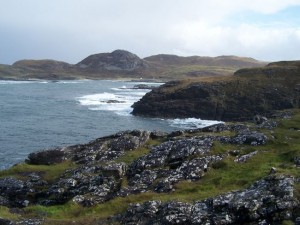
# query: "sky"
[[70, 30]]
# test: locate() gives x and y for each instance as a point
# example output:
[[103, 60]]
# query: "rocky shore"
[[234, 98], [166, 174]]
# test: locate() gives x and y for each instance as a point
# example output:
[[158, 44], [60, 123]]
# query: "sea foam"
[[118, 100], [192, 123]]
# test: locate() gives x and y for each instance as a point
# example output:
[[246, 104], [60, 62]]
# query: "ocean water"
[[38, 115]]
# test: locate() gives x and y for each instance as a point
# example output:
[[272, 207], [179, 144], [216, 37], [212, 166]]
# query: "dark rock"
[[297, 161], [259, 119], [143, 86], [101, 149], [14, 192], [5, 222], [273, 170], [114, 101], [286, 114], [249, 92], [47, 157]]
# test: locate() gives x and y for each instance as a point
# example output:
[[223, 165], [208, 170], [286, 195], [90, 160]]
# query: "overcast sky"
[[70, 30]]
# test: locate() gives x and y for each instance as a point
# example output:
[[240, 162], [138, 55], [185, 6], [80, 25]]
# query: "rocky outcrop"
[[248, 93], [100, 171], [267, 201], [105, 148], [118, 60], [98, 177], [143, 86]]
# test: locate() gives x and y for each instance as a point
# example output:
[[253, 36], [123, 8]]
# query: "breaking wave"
[[192, 123], [118, 100]]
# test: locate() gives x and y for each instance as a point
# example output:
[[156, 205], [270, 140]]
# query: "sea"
[[40, 115]]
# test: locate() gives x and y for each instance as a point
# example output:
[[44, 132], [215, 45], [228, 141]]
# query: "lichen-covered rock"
[[244, 158], [101, 149], [29, 222], [86, 185], [246, 137], [175, 155], [267, 201], [14, 192], [171, 153], [141, 214]]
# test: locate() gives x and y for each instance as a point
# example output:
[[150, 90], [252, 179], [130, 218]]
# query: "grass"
[[130, 156], [283, 146], [5, 213], [48, 173]]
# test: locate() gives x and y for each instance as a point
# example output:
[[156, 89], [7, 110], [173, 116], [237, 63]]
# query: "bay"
[[38, 115]]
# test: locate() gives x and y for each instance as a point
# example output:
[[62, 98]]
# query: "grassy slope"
[[284, 144]]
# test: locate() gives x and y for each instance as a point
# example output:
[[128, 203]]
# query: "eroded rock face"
[[269, 200], [250, 92]]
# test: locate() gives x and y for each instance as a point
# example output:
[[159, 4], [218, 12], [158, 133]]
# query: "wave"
[[120, 102], [117, 99], [71, 82], [16, 82], [192, 123], [148, 83]]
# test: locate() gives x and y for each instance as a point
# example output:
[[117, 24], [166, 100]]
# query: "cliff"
[[124, 64], [223, 174], [234, 98]]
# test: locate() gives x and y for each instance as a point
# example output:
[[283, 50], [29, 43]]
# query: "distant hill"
[[226, 61], [124, 64], [118, 60]]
